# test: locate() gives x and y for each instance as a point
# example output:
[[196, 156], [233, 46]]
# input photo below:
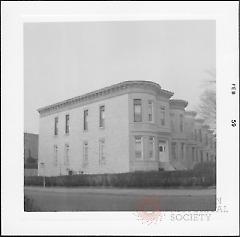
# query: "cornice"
[[110, 90], [178, 104]]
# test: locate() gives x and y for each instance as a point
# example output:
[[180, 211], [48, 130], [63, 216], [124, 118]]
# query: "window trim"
[[135, 137], [67, 126], [55, 150], [163, 120], [56, 121], [182, 150], [141, 111], [181, 123], [150, 102], [85, 121], [100, 142], [85, 160], [174, 145], [66, 158], [100, 118], [153, 148]]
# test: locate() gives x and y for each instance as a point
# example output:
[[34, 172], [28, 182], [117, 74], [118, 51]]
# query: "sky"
[[67, 59]]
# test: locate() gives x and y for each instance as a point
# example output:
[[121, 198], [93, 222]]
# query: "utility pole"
[[44, 181]]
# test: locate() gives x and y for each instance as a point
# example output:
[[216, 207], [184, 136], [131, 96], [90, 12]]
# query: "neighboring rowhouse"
[[178, 133], [122, 128], [30, 154]]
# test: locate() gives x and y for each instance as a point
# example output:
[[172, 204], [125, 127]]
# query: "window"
[[102, 116], [200, 135], [66, 155], [56, 126], [195, 134], [85, 120], [137, 110], [192, 135], [85, 152], [197, 155], [67, 124], [151, 148], [174, 147], [162, 115], [55, 158], [193, 153], [182, 151], [206, 139], [150, 111], [181, 122], [138, 147], [102, 157], [207, 158], [172, 126], [201, 156]]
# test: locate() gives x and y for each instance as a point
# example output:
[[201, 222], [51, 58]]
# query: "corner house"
[[122, 128]]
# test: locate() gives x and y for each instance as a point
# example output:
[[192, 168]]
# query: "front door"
[[163, 151]]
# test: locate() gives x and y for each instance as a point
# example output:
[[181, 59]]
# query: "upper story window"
[[162, 115], [200, 134], [137, 104], [85, 120], [102, 116], [67, 124], [172, 126], [181, 122], [56, 126], [138, 147], [150, 111], [66, 154], [206, 139], [195, 134], [151, 148], [102, 155]]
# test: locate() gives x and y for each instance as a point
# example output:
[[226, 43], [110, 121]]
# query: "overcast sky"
[[63, 60]]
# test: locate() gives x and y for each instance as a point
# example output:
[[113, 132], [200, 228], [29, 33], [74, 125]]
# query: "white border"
[[14, 220]]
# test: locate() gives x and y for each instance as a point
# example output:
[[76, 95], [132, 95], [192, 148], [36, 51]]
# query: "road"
[[124, 199]]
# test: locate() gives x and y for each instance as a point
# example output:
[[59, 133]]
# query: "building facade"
[[127, 127]]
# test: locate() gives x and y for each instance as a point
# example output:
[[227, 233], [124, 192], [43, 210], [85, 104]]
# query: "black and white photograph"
[[123, 116], [134, 115]]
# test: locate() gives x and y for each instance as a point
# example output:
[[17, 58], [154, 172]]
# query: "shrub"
[[199, 176]]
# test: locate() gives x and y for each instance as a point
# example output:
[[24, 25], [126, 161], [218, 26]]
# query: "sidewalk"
[[126, 191]]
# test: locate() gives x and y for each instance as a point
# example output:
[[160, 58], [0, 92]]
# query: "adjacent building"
[[30, 154], [127, 127]]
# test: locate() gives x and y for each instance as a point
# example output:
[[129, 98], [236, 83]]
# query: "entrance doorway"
[[163, 151]]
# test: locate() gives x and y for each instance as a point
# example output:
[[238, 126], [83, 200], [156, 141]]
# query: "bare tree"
[[207, 106]]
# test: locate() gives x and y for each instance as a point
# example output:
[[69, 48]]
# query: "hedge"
[[199, 176]]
